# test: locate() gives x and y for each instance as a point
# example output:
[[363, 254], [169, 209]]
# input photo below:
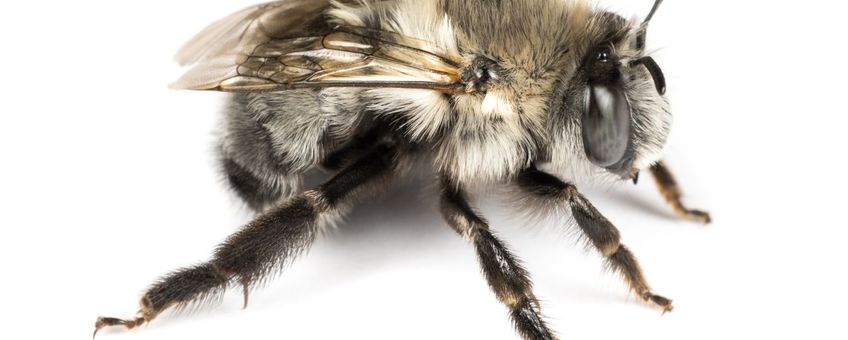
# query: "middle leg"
[[507, 278]]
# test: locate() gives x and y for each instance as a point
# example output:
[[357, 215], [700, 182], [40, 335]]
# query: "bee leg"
[[262, 247], [504, 273], [671, 192], [603, 235]]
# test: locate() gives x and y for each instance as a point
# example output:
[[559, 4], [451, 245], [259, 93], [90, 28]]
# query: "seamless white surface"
[[107, 180]]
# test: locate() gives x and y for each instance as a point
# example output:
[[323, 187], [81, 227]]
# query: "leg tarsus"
[[698, 216], [660, 301], [672, 194], [624, 262], [103, 322], [145, 314]]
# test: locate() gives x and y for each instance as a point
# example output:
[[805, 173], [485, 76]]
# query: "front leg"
[[507, 278], [603, 235], [671, 192]]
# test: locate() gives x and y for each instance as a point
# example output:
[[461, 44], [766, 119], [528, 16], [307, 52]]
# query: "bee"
[[532, 95]]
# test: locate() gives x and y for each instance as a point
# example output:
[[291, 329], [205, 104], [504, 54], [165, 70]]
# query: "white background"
[[107, 181]]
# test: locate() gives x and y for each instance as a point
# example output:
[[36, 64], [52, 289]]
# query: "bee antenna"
[[643, 30]]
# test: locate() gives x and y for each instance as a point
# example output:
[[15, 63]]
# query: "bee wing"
[[251, 26], [260, 49]]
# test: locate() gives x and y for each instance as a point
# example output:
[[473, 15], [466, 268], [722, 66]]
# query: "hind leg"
[[265, 245]]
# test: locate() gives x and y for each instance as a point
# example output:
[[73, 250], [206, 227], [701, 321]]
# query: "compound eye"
[[607, 127]]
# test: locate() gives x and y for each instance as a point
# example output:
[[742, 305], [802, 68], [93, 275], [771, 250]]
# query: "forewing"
[[259, 49], [240, 31]]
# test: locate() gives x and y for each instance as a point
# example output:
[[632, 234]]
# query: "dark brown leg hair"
[[507, 278], [603, 235], [671, 192], [262, 247]]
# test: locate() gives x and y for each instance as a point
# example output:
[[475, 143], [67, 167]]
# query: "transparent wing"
[[240, 31], [261, 49]]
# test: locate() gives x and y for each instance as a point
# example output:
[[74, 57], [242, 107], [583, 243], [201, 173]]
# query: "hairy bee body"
[[529, 112], [480, 91]]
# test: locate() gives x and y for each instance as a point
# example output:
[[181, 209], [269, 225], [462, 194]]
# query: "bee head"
[[618, 93]]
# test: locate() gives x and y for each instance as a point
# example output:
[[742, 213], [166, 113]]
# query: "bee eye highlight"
[[601, 66], [602, 55]]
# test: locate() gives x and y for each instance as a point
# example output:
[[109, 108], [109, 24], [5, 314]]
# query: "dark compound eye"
[[607, 127]]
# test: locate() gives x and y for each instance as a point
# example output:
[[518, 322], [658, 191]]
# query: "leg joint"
[[610, 247]]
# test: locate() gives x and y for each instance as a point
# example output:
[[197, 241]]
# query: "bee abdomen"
[[269, 140], [255, 192]]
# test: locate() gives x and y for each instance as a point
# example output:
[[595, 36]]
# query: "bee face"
[[612, 108], [605, 112]]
